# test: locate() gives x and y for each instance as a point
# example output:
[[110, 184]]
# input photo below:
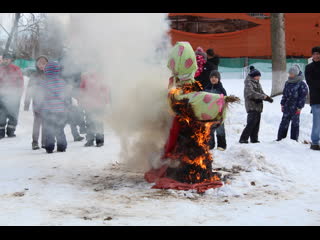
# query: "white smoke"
[[131, 52]]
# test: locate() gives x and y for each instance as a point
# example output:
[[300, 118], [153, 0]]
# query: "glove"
[[298, 111], [269, 99]]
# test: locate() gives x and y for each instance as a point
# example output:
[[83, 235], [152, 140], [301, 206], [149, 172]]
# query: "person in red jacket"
[[93, 98], [11, 88]]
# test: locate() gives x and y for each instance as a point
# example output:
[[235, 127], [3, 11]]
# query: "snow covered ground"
[[273, 183]]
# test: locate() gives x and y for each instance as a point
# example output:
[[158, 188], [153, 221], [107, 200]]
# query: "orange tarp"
[[302, 33]]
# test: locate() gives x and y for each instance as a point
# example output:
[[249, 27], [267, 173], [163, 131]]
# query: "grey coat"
[[253, 95]]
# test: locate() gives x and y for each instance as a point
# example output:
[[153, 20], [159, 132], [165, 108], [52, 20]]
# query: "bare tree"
[[28, 40], [278, 45], [13, 30]]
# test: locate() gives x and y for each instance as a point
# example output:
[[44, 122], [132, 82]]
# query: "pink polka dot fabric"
[[188, 63], [205, 116], [181, 49], [172, 64], [207, 98]]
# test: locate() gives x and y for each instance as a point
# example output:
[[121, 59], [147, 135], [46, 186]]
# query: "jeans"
[[252, 128], [53, 126], [221, 137], [315, 134]]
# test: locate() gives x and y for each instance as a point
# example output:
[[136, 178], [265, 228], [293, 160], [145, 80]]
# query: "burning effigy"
[[187, 160]]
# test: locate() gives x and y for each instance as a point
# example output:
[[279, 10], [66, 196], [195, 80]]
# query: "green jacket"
[[253, 95]]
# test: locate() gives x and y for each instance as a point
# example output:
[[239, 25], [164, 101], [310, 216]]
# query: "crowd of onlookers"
[[80, 99], [58, 98], [295, 95]]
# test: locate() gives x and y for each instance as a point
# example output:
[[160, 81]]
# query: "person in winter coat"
[[71, 73], [292, 102], [201, 58], [312, 75], [74, 115], [94, 98], [34, 92], [213, 58], [217, 88], [211, 64], [11, 88], [53, 108], [254, 97]]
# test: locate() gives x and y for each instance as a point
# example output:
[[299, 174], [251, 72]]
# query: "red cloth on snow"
[[158, 176]]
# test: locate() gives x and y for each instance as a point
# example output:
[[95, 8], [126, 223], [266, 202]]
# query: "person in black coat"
[[312, 75], [213, 58], [210, 65], [217, 88]]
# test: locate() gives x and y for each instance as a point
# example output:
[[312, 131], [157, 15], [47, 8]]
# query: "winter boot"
[[100, 140], [78, 138], [255, 141], [2, 132], [10, 132], [221, 142], [315, 147], [35, 146], [100, 143], [61, 148], [243, 141], [221, 149], [89, 143]]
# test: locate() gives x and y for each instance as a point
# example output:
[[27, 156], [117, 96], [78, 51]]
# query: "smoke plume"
[[131, 52]]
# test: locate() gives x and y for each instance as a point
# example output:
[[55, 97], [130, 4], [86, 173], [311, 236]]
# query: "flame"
[[198, 168]]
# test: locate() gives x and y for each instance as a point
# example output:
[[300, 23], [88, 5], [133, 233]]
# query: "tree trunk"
[[13, 29], [278, 45]]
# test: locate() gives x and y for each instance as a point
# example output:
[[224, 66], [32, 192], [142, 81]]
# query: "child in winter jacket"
[[53, 108], [94, 98], [11, 88], [293, 100], [217, 88], [201, 58], [253, 95], [34, 93]]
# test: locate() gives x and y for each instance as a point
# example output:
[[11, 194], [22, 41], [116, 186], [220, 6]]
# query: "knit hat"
[[254, 73], [42, 56], [251, 68], [210, 52], [215, 73], [200, 51], [295, 70], [315, 49]]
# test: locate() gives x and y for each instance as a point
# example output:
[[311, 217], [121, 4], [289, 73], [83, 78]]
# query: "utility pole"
[[278, 45]]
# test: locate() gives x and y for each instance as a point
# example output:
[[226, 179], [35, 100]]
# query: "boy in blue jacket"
[[292, 102], [217, 88]]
